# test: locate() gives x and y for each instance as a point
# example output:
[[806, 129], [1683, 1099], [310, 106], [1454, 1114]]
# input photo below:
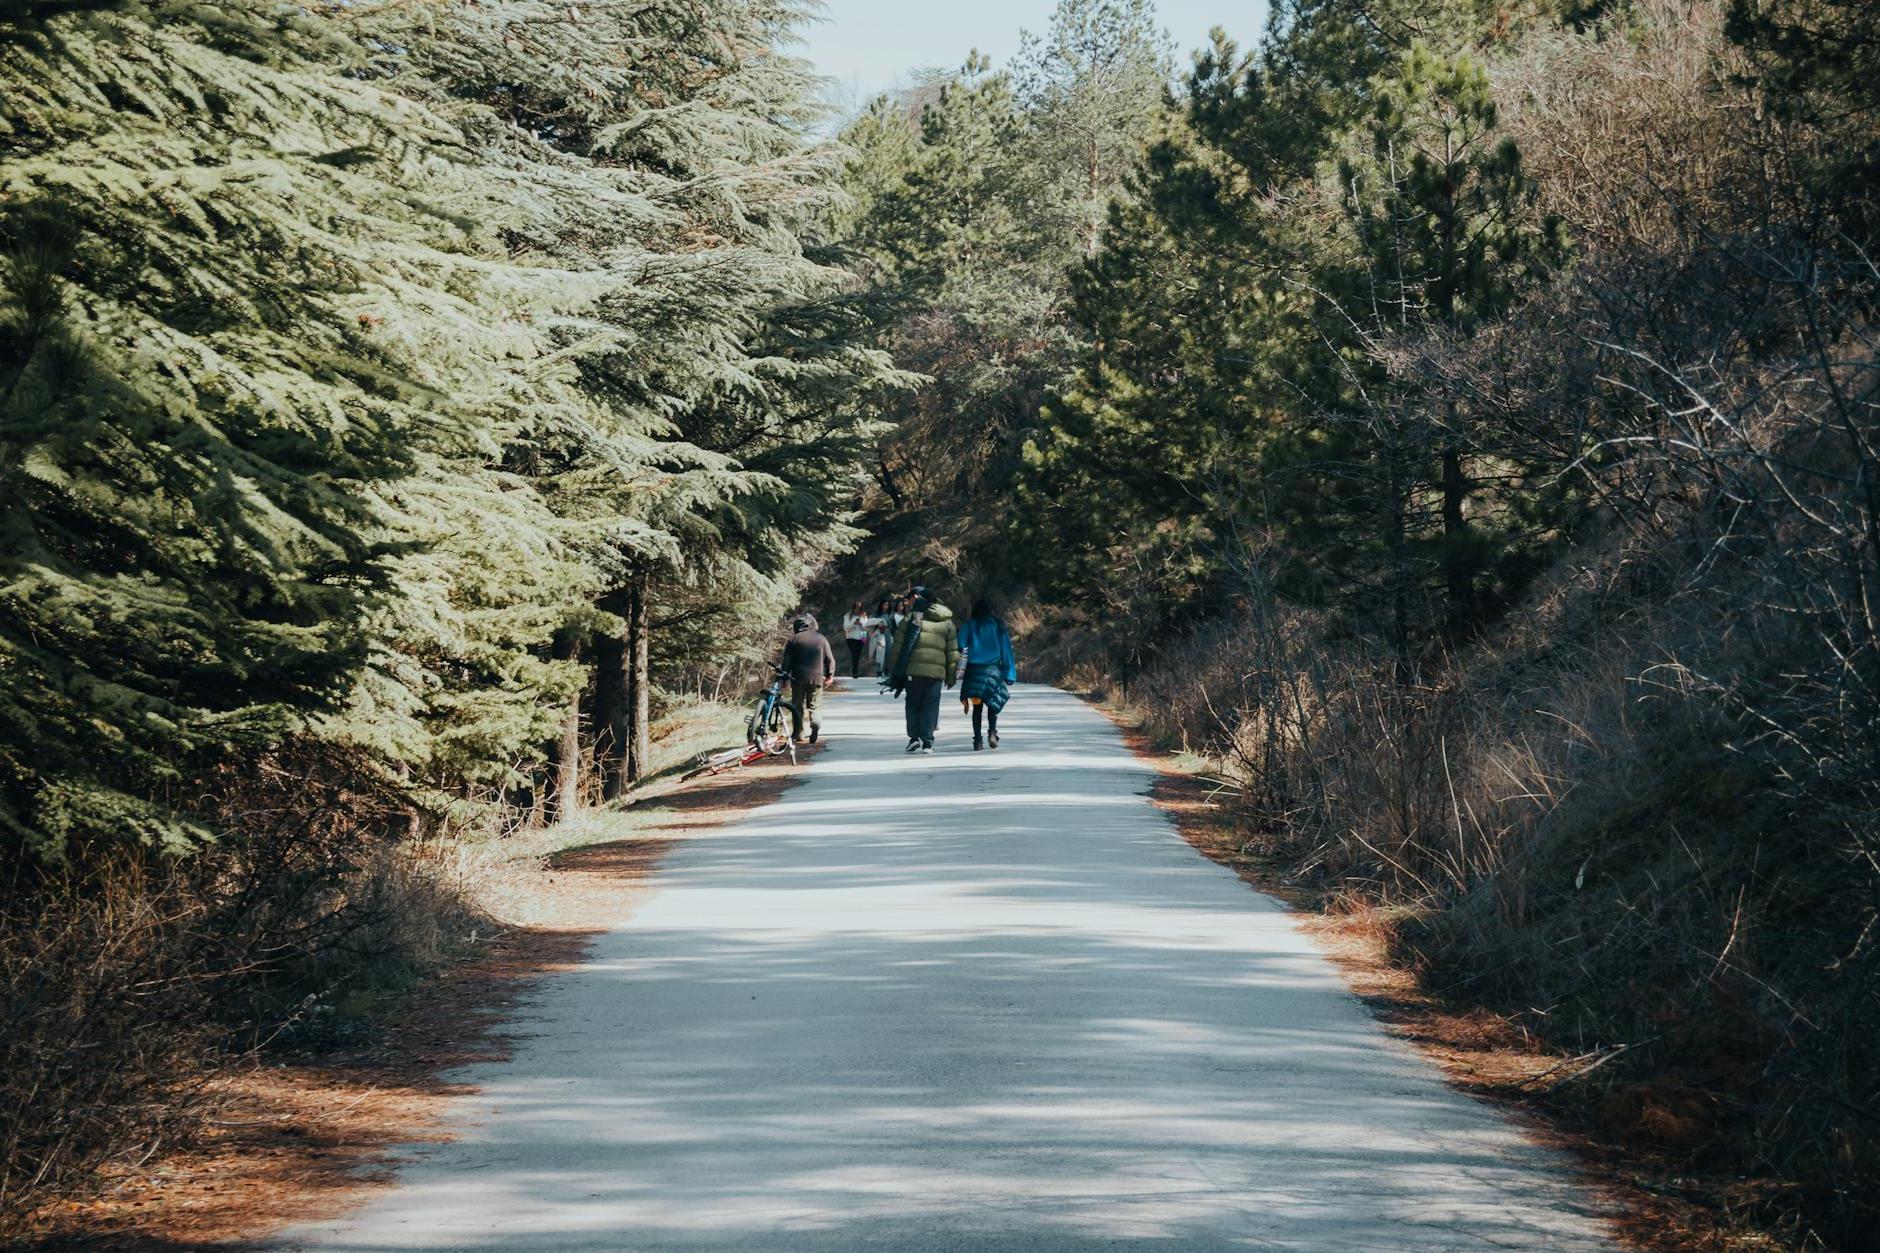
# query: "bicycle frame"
[[759, 728]]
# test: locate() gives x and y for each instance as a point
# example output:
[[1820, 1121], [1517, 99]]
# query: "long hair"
[[982, 610]]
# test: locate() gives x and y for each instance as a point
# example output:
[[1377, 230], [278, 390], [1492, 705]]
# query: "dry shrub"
[[1668, 909], [1065, 650], [1566, 824], [104, 1020], [128, 979]]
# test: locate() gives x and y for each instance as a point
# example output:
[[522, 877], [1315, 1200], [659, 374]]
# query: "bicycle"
[[766, 734], [774, 716]]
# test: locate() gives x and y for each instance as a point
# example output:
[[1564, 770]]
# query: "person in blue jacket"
[[988, 669]]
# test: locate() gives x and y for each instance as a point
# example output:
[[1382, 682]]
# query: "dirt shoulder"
[[301, 1137], [1480, 1052]]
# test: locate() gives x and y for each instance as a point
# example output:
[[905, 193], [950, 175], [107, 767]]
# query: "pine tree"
[[1140, 466], [1299, 230], [1092, 88], [658, 159], [955, 222], [1447, 237], [483, 668], [212, 284], [1818, 61]]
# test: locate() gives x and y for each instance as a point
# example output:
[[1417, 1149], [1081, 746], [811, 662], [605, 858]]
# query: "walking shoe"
[[978, 744], [815, 733], [995, 739], [913, 746], [927, 749]]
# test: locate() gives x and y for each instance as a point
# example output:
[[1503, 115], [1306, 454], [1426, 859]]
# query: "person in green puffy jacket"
[[926, 652]]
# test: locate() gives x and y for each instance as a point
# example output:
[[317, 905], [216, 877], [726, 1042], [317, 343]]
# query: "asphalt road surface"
[[972, 1001]]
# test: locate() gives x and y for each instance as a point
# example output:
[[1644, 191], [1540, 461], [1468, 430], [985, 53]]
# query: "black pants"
[[992, 722], [855, 657], [923, 710]]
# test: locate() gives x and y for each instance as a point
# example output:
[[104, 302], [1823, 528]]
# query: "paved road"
[[983, 1002]]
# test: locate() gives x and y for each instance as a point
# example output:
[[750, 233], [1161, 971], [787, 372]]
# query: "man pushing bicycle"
[[810, 663]]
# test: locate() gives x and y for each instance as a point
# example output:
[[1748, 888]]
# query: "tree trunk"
[[885, 476], [564, 784], [1457, 560], [414, 821], [530, 801], [612, 704], [639, 652], [1399, 540], [1456, 556]]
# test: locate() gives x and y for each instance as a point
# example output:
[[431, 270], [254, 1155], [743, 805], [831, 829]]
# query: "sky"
[[868, 46]]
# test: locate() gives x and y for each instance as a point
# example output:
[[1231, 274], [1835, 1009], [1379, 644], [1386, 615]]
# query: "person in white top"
[[855, 630], [887, 618]]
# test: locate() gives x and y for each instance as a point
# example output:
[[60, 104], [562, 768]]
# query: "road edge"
[[1477, 1053]]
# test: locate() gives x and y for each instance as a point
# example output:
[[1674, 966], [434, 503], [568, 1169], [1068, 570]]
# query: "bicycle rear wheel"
[[782, 721]]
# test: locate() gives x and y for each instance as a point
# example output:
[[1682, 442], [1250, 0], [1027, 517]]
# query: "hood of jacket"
[[936, 612]]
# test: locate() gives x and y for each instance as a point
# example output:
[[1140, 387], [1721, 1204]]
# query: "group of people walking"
[[930, 650], [870, 634], [917, 648]]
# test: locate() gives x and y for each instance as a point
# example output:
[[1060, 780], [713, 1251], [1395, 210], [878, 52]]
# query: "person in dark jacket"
[[811, 663], [991, 668], [926, 650]]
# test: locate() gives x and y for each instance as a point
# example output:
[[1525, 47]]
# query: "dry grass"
[[301, 1134], [95, 1058], [132, 988]]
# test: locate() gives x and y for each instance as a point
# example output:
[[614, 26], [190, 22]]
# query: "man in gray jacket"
[[811, 663]]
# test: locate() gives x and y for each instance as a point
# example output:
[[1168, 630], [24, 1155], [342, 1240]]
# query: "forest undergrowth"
[[1554, 828], [130, 992]]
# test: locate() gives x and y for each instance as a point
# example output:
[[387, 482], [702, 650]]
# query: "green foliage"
[[1818, 64], [1813, 53], [1439, 202], [944, 219], [976, 196], [1269, 304], [1091, 88], [354, 356], [195, 417]]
